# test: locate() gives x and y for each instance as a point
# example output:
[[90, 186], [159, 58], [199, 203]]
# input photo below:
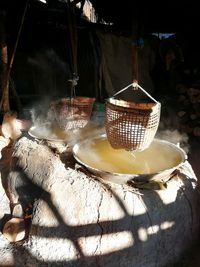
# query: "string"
[[136, 85]]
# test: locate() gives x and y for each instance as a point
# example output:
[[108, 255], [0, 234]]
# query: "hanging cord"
[[137, 43], [135, 61], [135, 47], [136, 86], [72, 25]]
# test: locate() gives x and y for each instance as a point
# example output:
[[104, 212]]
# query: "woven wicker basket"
[[73, 113], [129, 125]]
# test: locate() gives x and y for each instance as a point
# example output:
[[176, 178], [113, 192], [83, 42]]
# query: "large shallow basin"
[[51, 132], [156, 162]]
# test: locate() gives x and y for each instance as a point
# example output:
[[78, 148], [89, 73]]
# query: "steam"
[[89, 131], [46, 127], [169, 126], [39, 114], [175, 137]]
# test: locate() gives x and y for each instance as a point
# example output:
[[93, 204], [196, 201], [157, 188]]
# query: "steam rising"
[[174, 136], [46, 127], [39, 113]]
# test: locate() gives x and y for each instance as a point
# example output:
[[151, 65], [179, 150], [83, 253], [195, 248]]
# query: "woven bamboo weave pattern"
[[129, 125], [73, 113]]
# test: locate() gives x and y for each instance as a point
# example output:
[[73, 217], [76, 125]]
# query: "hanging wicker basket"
[[130, 125], [73, 113]]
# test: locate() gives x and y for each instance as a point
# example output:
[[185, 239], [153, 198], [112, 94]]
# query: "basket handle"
[[135, 84]]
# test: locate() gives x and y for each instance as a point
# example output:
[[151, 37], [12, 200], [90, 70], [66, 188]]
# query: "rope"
[[73, 36], [136, 85]]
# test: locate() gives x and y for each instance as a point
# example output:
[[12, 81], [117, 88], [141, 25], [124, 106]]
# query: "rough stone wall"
[[81, 222]]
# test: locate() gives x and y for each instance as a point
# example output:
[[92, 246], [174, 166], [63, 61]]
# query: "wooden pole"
[[4, 103]]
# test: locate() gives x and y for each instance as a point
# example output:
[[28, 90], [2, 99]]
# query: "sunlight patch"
[[142, 234], [54, 249], [108, 243], [152, 230], [166, 225], [170, 195]]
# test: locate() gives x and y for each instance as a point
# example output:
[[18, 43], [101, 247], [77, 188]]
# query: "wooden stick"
[[4, 104]]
